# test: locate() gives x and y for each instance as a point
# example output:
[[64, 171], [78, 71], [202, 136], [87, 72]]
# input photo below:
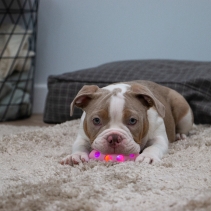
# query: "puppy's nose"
[[114, 140]]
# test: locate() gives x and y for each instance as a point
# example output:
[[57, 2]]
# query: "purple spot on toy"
[[120, 158], [97, 154]]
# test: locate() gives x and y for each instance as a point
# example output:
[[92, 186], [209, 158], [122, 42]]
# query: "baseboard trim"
[[40, 93]]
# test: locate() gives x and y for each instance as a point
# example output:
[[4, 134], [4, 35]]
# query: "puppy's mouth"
[[117, 150], [115, 142]]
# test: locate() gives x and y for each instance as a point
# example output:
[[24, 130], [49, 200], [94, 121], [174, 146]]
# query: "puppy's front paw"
[[75, 158], [147, 158]]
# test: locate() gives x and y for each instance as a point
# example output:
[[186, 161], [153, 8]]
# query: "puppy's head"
[[116, 116]]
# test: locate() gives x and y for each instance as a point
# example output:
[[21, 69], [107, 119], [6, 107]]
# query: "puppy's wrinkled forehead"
[[117, 101]]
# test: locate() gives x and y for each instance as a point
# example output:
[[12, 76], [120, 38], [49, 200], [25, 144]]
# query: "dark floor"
[[34, 120]]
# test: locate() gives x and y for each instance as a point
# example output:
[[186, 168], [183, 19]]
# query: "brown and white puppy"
[[130, 117]]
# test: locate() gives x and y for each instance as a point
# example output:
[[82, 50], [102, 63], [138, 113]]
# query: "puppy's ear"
[[151, 100], [83, 97]]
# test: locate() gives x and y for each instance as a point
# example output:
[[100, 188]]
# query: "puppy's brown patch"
[[136, 107], [97, 108]]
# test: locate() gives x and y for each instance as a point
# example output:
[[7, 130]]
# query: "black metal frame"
[[23, 13]]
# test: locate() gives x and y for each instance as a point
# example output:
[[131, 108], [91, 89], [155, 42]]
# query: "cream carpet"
[[31, 177]]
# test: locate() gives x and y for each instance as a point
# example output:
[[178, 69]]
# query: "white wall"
[[76, 34]]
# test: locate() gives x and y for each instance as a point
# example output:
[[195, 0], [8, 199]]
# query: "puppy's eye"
[[132, 121], [96, 121]]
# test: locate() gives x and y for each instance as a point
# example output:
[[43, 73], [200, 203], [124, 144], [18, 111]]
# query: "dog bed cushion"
[[192, 79]]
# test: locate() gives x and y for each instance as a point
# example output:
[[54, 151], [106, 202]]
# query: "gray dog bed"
[[191, 79]]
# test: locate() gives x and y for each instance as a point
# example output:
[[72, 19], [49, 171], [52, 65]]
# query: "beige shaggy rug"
[[31, 177]]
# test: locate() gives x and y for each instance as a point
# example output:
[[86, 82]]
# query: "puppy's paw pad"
[[75, 158], [67, 160], [180, 136], [142, 158], [80, 157]]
